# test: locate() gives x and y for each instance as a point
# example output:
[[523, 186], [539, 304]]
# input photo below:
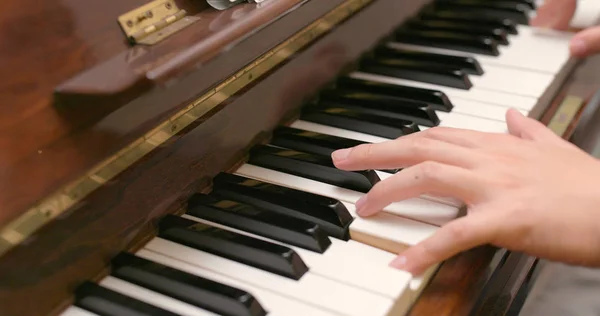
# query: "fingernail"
[[340, 155], [578, 47], [360, 205], [517, 112], [399, 262]]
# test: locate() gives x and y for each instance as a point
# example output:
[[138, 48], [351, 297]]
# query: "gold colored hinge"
[[154, 21]]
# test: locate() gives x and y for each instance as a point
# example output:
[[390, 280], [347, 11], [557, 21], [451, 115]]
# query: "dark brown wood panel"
[[42, 148], [458, 284], [80, 244]]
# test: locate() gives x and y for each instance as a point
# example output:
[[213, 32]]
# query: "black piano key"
[[501, 5], [467, 64], [380, 105], [530, 3], [515, 11], [498, 34], [436, 99], [258, 221], [105, 302], [312, 142], [330, 214], [467, 18], [447, 40], [314, 167], [192, 289], [359, 121], [423, 71], [244, 249]]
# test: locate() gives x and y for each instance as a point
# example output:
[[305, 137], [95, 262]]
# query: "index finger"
[[403, 152]]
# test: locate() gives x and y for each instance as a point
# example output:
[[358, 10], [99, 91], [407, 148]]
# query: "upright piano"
[[172, 157]]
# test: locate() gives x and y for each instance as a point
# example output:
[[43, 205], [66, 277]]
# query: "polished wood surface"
[[77, 53], [80, 243], [42, 149]]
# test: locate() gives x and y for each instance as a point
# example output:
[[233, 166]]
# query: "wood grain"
[[78, 245], [111, 93], [41, 149]]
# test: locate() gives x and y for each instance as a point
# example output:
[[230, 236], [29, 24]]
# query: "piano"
[[171, 157]]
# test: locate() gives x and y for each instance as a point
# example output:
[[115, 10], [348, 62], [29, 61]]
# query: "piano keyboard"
[[280, 235]]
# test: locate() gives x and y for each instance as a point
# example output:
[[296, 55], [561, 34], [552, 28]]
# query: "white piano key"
[[275, 303], [533, 49], [76, 311], [512, 81], [387, 231], [311, 288], [355, 271], [419, 283], [381, 257], [324, 129], [536, 49], [482, 110], [415, 208], [153, 298], [525, 103], [509, 81], [457, 120]]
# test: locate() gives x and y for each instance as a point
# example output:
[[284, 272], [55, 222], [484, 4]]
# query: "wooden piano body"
[[101, 138]]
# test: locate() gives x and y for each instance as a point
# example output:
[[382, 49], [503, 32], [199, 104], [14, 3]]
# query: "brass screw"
[[130, 23], [149, 14], [168, 5]]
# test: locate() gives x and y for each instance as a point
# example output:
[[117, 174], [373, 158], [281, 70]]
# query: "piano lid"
[[117, 97]]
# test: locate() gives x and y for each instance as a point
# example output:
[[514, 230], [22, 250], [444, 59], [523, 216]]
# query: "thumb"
[[458, 235], [586, 42], [528, 128]]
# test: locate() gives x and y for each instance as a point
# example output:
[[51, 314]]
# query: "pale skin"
[[556, 14], [528, 190]]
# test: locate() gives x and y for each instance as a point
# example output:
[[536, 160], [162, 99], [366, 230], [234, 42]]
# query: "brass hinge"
[[154, 21]]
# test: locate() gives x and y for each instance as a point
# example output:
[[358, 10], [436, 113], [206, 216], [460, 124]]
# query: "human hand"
[[557, 14], [527, 191]]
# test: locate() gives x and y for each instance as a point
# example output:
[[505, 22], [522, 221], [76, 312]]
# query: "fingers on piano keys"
[[280, 235]]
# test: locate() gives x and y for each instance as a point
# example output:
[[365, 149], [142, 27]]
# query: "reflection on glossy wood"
[[79, 244], [457, 285], [42, 149], [80, 50], [54, 205]]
